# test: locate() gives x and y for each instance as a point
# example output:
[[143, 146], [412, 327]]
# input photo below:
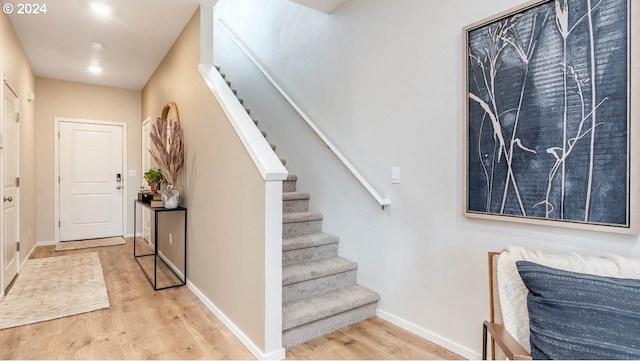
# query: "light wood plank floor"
[[174, 324], [372, 339]]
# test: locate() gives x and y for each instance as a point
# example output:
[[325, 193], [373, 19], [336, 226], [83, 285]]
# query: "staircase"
[[319, 289]]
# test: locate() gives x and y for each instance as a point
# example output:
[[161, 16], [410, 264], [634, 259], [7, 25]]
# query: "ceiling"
[[136, 37]]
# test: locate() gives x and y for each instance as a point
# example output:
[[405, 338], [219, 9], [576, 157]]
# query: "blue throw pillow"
[[580, 316]]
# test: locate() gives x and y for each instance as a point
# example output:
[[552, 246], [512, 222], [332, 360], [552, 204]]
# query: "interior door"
[[10, 136], [91, 180], [146, 164]]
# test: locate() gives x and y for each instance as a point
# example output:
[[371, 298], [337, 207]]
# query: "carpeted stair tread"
[[295, 196], [289, 184], [309, 309], [308, 241], [297, 217], [311, 270]]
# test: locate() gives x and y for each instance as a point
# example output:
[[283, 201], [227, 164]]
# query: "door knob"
[[119, 187], [8, 199]]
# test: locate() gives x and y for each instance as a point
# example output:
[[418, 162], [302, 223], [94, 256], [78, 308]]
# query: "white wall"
[[382, 78]]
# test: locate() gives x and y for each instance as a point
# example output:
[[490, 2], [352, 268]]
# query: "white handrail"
[[382, 201]]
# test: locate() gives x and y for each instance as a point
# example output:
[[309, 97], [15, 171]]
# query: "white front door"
[[10, 142], [91, 180]]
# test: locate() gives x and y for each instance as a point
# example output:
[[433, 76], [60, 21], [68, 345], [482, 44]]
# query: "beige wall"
[[56, 98], [221, 187], [16, 68]]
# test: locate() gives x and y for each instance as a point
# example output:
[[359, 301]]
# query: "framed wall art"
[[551, 105]]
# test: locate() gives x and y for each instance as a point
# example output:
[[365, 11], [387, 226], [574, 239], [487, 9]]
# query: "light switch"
[[133, 173], [395, 175]]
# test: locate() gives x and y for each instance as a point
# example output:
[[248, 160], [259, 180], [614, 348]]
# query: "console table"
[[160, 261]]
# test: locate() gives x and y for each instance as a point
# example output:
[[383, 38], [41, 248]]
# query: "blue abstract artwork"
[[548, 113]]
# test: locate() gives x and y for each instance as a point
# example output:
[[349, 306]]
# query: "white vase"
[[171, 197]]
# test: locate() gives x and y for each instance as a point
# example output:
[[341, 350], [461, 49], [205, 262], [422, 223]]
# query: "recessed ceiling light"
[[94, 69], [101, 9], [96, 45]]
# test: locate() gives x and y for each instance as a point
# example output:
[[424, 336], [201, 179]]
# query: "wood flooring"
[[174, 324]]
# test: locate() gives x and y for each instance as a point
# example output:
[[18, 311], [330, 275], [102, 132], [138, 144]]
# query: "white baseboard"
[[255, 350], [428, 335], [47, 243]]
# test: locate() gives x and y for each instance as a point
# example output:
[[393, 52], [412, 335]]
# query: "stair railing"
[[381, 200]]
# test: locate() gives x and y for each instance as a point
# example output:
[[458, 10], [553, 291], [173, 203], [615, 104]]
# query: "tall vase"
[[171, 197]]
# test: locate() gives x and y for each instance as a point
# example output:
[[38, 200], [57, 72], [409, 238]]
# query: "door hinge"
[[17, 117], [17, 181], [17, 246], [58, 224], [58, 134]]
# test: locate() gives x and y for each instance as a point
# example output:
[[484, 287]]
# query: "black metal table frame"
[[156, 211]]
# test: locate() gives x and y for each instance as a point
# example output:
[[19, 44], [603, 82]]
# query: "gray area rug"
[[90, 243], [55, 287]]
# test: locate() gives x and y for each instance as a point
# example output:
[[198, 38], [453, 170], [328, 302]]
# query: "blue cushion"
[[580, 316]]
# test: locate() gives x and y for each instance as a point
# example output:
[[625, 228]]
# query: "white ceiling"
[[136, 37]]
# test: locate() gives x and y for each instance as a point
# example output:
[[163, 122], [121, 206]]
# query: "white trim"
[[273, 267], [246, 341], [18, 193], [381, 201], [46, 243], [428, 335], [56, 168], [268, 164]]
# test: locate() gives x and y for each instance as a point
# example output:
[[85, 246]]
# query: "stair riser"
[[321, 327], [309, 254], [301, 228], [288, 186], [313, 287], [298, 205]]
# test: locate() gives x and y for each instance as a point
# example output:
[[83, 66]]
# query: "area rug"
[[90, 243], [55, 287]]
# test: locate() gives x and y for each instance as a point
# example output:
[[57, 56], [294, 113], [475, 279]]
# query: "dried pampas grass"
[[167, 150]]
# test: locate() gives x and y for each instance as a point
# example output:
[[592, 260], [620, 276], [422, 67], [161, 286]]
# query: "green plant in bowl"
[[154, 177]]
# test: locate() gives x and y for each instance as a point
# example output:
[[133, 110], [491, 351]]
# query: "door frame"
[[145, 214], [56, 168], [5, 81]]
